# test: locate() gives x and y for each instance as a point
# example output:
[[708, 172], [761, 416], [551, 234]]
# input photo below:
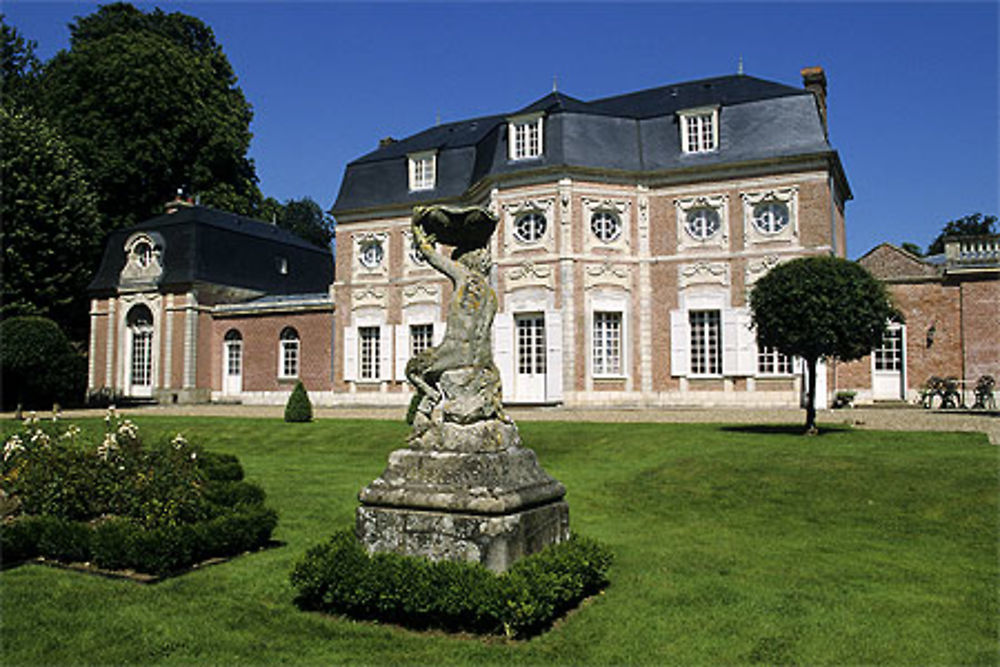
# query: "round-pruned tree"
[[50, 233], [149, 103], [815, 307], [38, 365]]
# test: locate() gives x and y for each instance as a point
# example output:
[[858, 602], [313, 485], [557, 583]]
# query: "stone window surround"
[[422, 168]]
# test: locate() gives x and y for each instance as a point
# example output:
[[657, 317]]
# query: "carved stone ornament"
[[530, 274], [421, 293], [609, 274], [143, 261], [512, 211], [368, 297], [703, 273], [464, 488], [758, 267], [717, 207], [786, 199]]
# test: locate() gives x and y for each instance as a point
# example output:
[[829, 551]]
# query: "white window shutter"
[[385, 352], [437, 335], [350, 354], [554, 356], [746, 359], [503, 350], [679, 341], [402, 350], [729, 342]]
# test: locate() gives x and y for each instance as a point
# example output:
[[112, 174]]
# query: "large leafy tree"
[[975, 224], [19, 67], [303, 217], [149, 103], [815, 307], [50, 234]]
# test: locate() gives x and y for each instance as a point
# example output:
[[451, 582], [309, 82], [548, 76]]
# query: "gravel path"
[[890, 419]]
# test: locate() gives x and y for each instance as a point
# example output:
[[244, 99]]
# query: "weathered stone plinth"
[[464, 492]]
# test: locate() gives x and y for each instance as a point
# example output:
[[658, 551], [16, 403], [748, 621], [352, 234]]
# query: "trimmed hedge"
[[341, 577], [298, 408], [118, 543]]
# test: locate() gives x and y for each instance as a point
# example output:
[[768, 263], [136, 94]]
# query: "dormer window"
[[524, 136], [422, 170], [143, 252], [699, 130]]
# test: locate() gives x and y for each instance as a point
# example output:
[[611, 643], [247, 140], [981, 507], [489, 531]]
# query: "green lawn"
[[733, 545]]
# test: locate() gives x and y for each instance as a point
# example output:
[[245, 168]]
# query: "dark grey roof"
[[636, 132], [203, 245]]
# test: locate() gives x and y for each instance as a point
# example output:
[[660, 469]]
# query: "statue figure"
[[459, 374]]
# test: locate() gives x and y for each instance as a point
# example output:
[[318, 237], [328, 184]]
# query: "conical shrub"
[[298, 408]]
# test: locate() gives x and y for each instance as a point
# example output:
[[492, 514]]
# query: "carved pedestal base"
[[495, 541], [464, 492]]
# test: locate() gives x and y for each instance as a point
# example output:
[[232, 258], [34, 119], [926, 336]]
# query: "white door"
[[888, 362], [141, 366], [232, 366], [530, 361]]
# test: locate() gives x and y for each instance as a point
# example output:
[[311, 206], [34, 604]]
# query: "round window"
[[371, 254], [771, 217], [606, 226], [143, 254], [529, 227], [703, 223]]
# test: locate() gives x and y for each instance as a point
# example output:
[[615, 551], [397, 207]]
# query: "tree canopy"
[[19, 67], [975, 224], [815, 307], [149, 103], [50, 234], [303, 217]]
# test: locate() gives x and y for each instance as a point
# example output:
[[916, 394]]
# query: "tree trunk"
[[811, 397]]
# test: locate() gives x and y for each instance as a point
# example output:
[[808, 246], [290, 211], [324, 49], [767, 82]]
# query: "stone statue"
[[464, 488], [460, 370]]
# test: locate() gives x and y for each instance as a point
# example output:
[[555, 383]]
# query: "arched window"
[[289, 353], [139, 321], [234, 353]]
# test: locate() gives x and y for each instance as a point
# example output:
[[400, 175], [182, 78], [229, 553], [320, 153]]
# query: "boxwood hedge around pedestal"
[[122, 506], [340, 577]]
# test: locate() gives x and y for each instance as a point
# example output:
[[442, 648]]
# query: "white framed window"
[[772, 362], [234, 352], [371, 253], [699, 130], [531, 356], [706, 342], [421, 338], [606, 226], [524, 136], [889, 356], [530, 227], [369, 340], [702, 222], [770, 217], [423, 170], [607, 344], [289, 353]]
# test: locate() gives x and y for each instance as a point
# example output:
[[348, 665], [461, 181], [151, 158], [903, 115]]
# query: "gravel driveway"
[[880, 418]]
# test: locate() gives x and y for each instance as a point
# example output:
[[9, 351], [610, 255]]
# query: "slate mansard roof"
[[635, 133], [201, 245]]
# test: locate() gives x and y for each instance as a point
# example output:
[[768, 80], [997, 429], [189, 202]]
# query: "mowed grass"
[[733, 545]]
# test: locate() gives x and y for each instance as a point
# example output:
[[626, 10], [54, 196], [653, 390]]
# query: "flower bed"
[[341, 577], [120, 505]]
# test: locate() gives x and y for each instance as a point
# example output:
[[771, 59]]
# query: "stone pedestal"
[[464, 492]]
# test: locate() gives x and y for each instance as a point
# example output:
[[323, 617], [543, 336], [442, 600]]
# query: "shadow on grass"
[[782, 429]]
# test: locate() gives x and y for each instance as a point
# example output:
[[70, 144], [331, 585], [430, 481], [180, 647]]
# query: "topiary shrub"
[[38, 365], [341, 577], [299, 407]]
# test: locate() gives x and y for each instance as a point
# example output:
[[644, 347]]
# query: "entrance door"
[[888, 362], [530, 362], [232, 360], [140, 368]]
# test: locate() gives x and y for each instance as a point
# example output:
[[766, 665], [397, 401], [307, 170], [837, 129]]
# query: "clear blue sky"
[[913, 91]]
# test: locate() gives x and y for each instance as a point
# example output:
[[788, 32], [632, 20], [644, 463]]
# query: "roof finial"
[[437, 118], [740, 69], [555, 83]]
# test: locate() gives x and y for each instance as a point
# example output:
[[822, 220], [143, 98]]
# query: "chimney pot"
[[386, 141], [814, 80]]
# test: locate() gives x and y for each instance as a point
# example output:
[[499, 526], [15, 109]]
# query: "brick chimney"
[[814, 80], [178, 203]]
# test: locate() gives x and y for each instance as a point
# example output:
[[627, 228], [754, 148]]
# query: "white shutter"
[[503, 351], [679, 340], [729, 342], [437, 335], [554, 356], [385, 352], [746, 344], [350, 354], [402, 350]]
